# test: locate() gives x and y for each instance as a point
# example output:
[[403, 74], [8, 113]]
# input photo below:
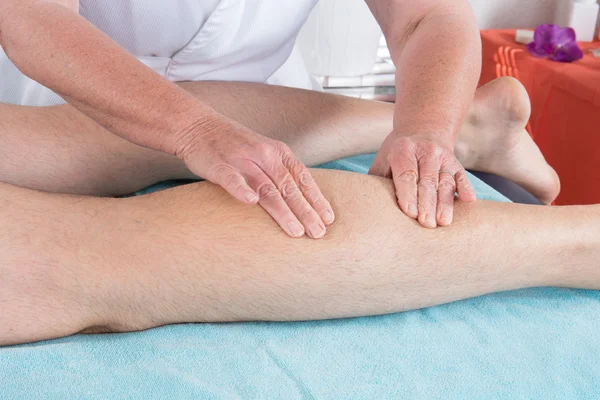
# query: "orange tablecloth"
[[565, 118]]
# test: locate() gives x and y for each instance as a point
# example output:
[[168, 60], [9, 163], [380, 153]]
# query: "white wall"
[[341, 37], [500, 14]]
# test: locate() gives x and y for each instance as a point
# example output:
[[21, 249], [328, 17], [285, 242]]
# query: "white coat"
[[190, 40]]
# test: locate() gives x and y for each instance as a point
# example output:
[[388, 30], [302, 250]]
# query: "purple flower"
[[555, 43]]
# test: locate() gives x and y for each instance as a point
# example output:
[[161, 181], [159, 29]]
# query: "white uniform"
[[191, 40]]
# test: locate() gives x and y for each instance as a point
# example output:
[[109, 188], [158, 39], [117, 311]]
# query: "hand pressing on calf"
[[256, 169], [426, 176]]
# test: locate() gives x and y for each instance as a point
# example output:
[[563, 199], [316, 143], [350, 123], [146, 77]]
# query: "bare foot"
[[494, 139]]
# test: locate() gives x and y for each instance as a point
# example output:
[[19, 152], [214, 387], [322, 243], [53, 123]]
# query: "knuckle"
[[447, 184], [289, 190], [403, 142], [232, 180], [390, 157], [312, 194], [428, 182], [447, 180], [304, 178], [431, 150], [410, 176], [307, 214], [449, 202], [282, 148], [221, 172], [306, 181], [265, 150], [429, 147], [267, 191], [321, 204], [449, 156], [296, 168], [437, 151], [398, 150], [462, 179]]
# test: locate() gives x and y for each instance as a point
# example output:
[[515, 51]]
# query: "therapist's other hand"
[[426, 176], [257, 169]]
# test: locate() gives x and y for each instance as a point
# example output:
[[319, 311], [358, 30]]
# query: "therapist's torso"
[[185, 40]]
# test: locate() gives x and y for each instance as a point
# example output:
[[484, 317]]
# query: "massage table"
[[539, 343]]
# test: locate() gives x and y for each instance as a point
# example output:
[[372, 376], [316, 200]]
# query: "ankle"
[[465, 154]]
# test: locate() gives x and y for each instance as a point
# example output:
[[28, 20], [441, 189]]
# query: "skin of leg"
[[58, 149], [193, 254]]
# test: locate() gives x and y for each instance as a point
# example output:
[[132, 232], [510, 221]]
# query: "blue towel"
[[360, 164], [527, 344]]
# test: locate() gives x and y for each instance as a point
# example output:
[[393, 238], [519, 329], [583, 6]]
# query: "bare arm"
[[70, 4], [56, 47], [436, 47], [53, 45]]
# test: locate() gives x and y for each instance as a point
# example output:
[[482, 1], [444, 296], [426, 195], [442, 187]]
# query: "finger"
[[429, 170], [465, 189], [270, 199], [405, 175], [296, 202], [445, 206], [381, 164], [229, 179], [309, 188]]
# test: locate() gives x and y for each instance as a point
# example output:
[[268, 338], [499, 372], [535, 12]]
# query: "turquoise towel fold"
[[360, 164], [527, 344]]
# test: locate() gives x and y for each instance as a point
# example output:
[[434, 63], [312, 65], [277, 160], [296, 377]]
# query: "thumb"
[[380, 166], [234, 183]]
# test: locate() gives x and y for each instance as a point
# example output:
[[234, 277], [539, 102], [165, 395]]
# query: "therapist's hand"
[[257, 169], [426, 175]]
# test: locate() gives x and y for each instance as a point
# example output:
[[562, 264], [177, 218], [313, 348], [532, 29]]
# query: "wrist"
[[441, 129], [443, 139], [191, 133]]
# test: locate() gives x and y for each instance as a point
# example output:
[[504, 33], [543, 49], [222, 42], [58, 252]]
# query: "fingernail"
[[296, 229], [446, 217], [251, 198], [430, 220], [327, 217], [317, 231], [412, 209]]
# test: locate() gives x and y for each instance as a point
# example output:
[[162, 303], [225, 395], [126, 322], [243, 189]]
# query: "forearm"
[[437, 52], [56, 47]]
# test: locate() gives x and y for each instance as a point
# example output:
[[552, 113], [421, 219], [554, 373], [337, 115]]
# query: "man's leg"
[[60, 150], [193, 254]]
